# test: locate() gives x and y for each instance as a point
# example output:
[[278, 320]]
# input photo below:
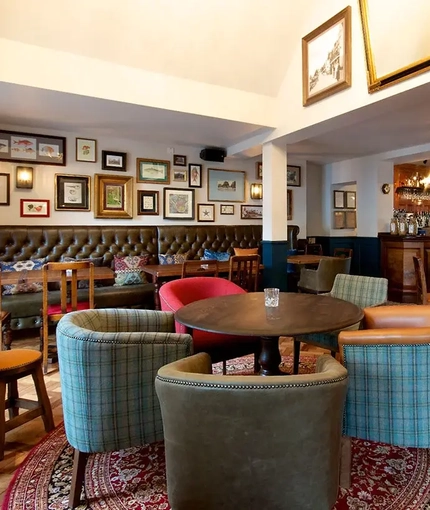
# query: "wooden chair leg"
[[256, 362], [78, 478], [44, 345], [224, 367], [296, 357], [42, 397], [12, 398], [2, 418]]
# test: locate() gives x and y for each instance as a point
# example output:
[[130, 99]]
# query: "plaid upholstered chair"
[[363, 291], [279, 437], [388, 398], [108, 361]]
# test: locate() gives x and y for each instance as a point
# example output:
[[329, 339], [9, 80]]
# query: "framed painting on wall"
[[178, 204], [4, 189], [226, 185], [251, 212], [289, 204], [194, 175], [114, 160], [86, 150], [338, 199], [72, 192], [34, 208], [293, 175], [113, 196], [205, 212], [226, 209], [147, 202], [156, 171]]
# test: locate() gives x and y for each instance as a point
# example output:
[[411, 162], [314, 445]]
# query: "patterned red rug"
[[383, 477]]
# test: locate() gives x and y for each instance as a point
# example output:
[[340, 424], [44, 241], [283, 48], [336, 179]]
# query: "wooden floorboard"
[[21, 440]]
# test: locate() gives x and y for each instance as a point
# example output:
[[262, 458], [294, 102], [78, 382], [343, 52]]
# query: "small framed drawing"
[[339, 219], [326, 58], [113, 196], [34, 208], [72, 192], [289, 204], [259, 170], [86, 150], [114, 160], [180, 175], [226, 185], [293, 175], [179, 160], [205, 212], [226, 209], [194, 175], [350, 199], [178, 204], [350, 219], [4, 189], [147, 202], [338, 199], [251, 212], [156, 171]]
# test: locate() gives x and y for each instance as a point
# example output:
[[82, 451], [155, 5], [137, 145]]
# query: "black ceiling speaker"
[[213, 155]]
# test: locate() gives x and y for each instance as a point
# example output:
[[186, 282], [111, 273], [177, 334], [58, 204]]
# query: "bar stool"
[[6, 330], [14, 365]]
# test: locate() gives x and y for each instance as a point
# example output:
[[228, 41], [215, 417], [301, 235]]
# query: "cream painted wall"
[[44, 179]]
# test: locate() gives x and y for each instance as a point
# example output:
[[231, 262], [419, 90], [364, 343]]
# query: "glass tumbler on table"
[[271, 297]]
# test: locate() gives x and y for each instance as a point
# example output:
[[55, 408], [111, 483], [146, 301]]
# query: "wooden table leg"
[[157, 304], [270, 357]]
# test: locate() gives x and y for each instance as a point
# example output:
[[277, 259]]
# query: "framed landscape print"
[[226, 209], [226, 185], [178, 204], [147, 202], [180, 175], [32, 148], [194, 175], [179, 160], [326, 58], [293, 175], [114, 160], [86, 150], [72, 192], [156, 171], [205, 212], [4, 189], [251, 212], [113, 196], [34, 208]]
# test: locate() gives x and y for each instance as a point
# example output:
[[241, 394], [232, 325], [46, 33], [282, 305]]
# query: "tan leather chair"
[[315, 281], [251, 442]]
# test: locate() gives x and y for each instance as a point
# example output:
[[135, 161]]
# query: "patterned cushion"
[[216, 255], [84, 284], [22, 265], [245, 251], [128, 270], [173, 258]]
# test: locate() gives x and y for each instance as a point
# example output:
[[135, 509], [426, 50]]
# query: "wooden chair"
[[69, 274], [199, 268], [14, 365], [5, 325], [423, 298], [313, 249], [345, 253], [244, 271]]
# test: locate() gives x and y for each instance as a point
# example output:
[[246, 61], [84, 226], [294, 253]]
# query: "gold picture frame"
[[113, 196], [326, 58], [376, 53]]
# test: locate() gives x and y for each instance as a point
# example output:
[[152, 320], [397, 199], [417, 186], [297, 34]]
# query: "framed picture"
[[178, 204], [147, 202], [29, 147], [338, 199], [205, 212], [350, 219], [86, 150], [194, 175], [293, 175], [113, 196], [259, 170], [4, 189], [289, 204], [226, 185], [156, 171], [350, 199], [114, 160], [180, 175], [34, 208], [251, 212], [326, 58], [226, 209], [339, 219], [72, 192], [179, 160]]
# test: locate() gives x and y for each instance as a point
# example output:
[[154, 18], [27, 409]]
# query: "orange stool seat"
[[14, 365]]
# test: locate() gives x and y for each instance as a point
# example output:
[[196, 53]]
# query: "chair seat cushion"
[[16, 358], [56, 309]]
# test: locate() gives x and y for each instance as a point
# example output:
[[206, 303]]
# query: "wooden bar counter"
[[398, 267]]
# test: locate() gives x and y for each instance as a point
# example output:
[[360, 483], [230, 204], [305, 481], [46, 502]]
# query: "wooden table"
[[36, 275], [246, 315], [305, 259]]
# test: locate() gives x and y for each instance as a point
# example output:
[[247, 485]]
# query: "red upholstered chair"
[[178, 293]]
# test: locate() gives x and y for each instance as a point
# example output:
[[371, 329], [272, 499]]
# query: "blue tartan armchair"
[[363, 291], [388, 396], [108, 360]]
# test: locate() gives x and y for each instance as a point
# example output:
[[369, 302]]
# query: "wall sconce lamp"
[[24, 177], [256, 191]]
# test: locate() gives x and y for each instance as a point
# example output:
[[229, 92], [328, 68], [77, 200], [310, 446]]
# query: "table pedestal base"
[[270, 358]]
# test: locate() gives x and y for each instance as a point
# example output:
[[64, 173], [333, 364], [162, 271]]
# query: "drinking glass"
[[271, 297]]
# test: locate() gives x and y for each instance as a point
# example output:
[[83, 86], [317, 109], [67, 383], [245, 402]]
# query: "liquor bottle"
[[394, 226], [403, 226]]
